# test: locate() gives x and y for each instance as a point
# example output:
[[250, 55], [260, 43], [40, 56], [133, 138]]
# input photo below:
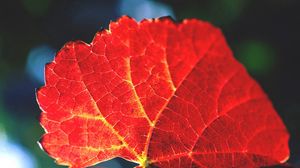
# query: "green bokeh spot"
[[258, 57], [219, 12], [36, 7]]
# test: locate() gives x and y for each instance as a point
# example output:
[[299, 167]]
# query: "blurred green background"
[[264, 36]]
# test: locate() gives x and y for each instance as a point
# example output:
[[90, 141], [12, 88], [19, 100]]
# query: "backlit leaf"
[[159, 94]]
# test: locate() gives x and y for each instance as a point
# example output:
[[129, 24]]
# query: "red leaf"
[[160, 94]]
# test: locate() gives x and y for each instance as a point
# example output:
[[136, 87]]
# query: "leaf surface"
[[159, 94]]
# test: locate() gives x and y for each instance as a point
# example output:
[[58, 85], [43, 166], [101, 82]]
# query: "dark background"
[[264, 36]]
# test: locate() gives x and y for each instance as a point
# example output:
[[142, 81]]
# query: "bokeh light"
[[12, 155], [37, 58], [258, 57], [36, 7], [140, 9]]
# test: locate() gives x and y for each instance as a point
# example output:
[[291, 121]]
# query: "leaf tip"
[[39, 142], [285, 159]]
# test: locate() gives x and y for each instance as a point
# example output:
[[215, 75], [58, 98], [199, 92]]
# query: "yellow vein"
[[105, 122], [145, 152], [140, 105]]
